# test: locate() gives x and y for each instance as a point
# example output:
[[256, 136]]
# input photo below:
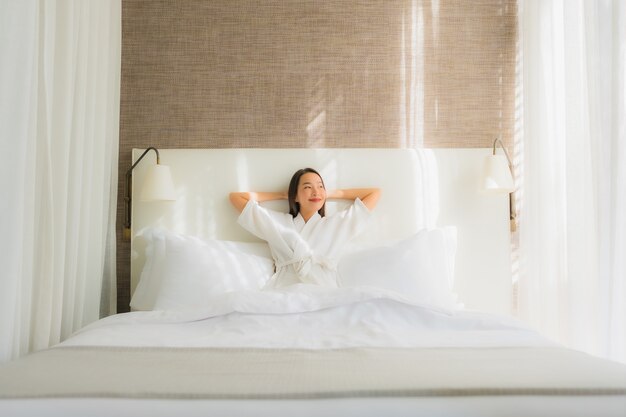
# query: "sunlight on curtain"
[[457, 73], [59, 112], [572, 230], [412, 76]]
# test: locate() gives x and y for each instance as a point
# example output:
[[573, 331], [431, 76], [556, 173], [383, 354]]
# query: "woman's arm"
[[240, 199], [369, 196]]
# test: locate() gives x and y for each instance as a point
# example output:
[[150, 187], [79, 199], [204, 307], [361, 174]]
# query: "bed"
[[419, 326]]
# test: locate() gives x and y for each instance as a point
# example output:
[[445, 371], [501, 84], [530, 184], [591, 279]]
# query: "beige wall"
[[307, 73]]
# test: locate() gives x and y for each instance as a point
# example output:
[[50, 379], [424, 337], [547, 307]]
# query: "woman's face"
[[311, 193]]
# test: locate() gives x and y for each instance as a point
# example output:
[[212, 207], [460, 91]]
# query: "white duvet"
[[310, 317]]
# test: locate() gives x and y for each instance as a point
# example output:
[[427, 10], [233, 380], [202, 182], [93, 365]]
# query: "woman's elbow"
[[372, 198], [238, 200]]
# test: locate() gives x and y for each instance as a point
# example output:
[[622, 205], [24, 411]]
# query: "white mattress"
[[510, 406]]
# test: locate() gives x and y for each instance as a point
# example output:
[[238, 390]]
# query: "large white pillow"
[[182, 272], [421, 268], [147, 290]]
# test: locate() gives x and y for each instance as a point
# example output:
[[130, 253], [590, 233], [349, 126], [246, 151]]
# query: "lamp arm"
[[506, 153], [512, 214], [144, 154], [127, 198]]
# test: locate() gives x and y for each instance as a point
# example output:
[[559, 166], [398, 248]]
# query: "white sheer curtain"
[[59, 112], [572, 283]]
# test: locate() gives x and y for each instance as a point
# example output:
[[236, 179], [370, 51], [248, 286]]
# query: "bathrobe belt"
[[303, 264]]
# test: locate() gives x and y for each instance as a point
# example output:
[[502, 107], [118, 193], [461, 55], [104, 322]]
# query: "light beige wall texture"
[[308, 73]]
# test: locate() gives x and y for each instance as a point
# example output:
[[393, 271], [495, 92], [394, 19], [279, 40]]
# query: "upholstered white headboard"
[[420, 188]]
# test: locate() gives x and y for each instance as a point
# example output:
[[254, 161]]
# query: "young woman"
[[305, 243]]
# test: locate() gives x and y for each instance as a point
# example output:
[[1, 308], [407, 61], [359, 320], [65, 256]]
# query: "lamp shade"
[[497, 177], [158, 184]]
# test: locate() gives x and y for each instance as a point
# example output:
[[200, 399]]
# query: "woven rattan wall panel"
[[308, 73]]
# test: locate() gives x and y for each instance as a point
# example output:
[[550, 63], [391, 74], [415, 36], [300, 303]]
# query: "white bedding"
[[310, 317], [315, 318]]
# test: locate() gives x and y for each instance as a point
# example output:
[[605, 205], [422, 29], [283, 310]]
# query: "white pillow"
[[182, 271], [421, 268], [147, 290]]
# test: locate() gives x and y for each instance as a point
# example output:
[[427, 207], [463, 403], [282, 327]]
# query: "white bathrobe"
[[304, 251]]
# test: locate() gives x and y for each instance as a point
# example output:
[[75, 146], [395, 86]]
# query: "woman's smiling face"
[[311, 193]]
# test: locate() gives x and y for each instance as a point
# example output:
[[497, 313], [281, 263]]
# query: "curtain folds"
[[572, 282], [60, 115]]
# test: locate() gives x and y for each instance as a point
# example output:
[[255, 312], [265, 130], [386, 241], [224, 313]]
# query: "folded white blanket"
[[298, 373]]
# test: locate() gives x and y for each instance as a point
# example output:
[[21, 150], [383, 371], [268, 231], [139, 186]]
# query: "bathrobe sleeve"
[[348, 223], [268, 225]]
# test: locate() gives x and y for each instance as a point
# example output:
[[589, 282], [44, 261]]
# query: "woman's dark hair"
[[294, 208]]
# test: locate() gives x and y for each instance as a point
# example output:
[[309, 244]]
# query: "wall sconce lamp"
[[498, 178], [157, 186]]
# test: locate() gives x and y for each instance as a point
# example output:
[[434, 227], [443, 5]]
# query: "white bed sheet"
[[309, 317]]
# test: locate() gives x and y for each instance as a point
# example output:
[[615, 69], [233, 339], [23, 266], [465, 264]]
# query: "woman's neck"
[[307, 216]]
